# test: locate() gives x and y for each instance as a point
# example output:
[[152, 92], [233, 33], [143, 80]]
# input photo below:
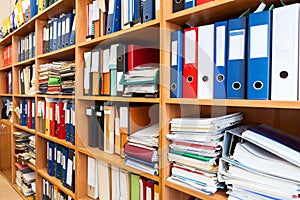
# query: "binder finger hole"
[[146, 17], [205, 78], [173, 86], [258, 85], [220, 77], [189, 79], [108, 29], [120, 58], [178, 1], [284, 74], [236, 85]]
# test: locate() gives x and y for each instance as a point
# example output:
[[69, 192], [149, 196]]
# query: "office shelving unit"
[[156, 33]]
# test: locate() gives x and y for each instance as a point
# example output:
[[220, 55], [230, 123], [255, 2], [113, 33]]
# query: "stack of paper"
[[195, 149], [67, 75], [141, 150], [21, 147], [31, 148], [141, 81], [260, 163], [25, 178]]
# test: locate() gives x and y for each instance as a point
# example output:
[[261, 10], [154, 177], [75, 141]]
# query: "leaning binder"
[[259, 55], [236, 72], [114, 16]]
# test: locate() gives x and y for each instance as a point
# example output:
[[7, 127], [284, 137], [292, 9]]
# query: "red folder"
[[10, 55], [61, 126], [140, 153], [149, 190], [190, 68], [52, 119], [139, 55], [29, 113], [199, 2]]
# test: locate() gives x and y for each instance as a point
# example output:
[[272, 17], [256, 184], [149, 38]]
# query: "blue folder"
[[176, 64], [236, 69], [70, 17], [33, 8], [259, 66], [148, 10], [189, 3], [33, 116], [114, 17], [54, 34], [220, 59]]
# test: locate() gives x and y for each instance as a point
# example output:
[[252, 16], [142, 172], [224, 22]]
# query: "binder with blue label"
[[220, 58], [236, 71], [259, 55], [114, 16], [176, 64]]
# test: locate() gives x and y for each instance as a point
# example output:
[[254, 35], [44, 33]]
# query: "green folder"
[[189, 155], [135, 187], [54, 81]]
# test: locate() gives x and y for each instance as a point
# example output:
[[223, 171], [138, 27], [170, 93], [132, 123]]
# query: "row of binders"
[[27, 80], [119, 14], [179, 5], [260, 162], [195, 149], [26, 47], [8, 82], [57, 119], [61, 164], [26, 113], [51, 191], [23, 11], [110, 182], [7, 56], [57, 78], [105, 71], [232, 59], [59, 32]]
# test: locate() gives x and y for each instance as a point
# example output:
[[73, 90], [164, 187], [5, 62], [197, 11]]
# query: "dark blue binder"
[[148, 10], [51, 35], [176, 64], [58, 161], [54, 33], [259, 66], [65, 153], [73, 32], [189, 3], [220, 59], [114, 17], [236, 66], [50, 158], [137, 11], [59, 33], [69, 23], [63, 31], [72, 131]]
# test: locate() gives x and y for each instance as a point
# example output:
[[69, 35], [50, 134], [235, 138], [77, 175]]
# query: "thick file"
[[113, 69], [70, 179], [121, 66], [220, 58], [105, 87], [148, 10], [114, 16], [199, 2], [73, 32], [55, 34], [69, 23], [178, 5], [59, 32], [92, 178], [93, 135], [285, 53], [236, 72], [86, 73], [259, 55], [206, 61], [190, 67], [109, 129], [176, 64], [33, 8], [104, 173], [95, 72]]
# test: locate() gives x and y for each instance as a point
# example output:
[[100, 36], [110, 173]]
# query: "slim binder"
[[148, 10], [114, 16]]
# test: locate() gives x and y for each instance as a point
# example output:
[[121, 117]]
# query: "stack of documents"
[[141, 150], [25, 178], [195, 149], [67, 75], [260, 162], [141, 80], [21, 147], [31, 148]]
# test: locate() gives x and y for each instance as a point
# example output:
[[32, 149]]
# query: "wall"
[[6, 7]]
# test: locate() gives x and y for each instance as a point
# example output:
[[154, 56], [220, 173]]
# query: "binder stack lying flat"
[[260, 162], [195, 149], [141, 150]]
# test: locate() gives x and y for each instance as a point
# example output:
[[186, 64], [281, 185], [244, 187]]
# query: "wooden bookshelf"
[[119, 99], [56, 140], [61, 54], [25, 128], [25, 62], [31, 166], [15, 186], [6, 68]]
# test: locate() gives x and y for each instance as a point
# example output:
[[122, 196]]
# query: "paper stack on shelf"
[[141, 150], [67, 75], [31, 148], [141, 81], [275, 174], [195, 149], [21, 147], [25, 178]]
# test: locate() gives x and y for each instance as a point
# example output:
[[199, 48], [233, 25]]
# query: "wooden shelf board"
[[135, 33], [24, 128], [237, 103], [25, 62], [55, 181], [120, 99], [6, 41], [6, 121], [53, 96], [56, 140], [24, 96], [6, 68], [115, 160], [59, 7], [31, 166], [220, 195], [60, 54], [85, 198], [6, 95], [15, 186]]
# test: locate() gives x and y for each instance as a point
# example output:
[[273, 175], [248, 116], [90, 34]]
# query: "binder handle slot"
[[108, 29], [236, 85], [178, 1], [283, 74], [173, 86], [189, 79], [146, 17], [220, 77], [258, 85], [120, 58], [205, 78]]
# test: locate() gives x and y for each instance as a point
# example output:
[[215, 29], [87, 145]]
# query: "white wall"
[[5, 9]]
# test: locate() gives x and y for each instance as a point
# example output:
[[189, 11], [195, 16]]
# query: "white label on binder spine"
[[237, 44], [259, 41]]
